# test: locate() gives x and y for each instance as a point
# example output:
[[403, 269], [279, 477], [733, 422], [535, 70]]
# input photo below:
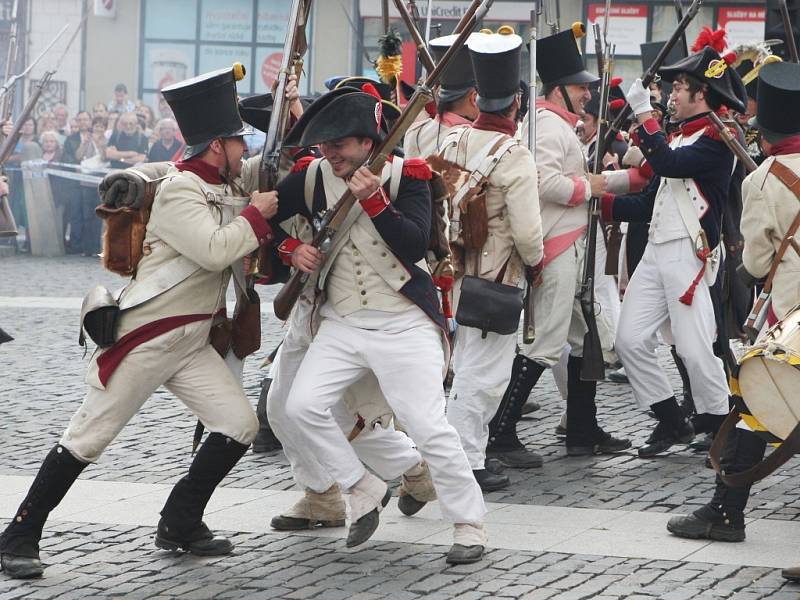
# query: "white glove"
[[633, 157], [639, 98]]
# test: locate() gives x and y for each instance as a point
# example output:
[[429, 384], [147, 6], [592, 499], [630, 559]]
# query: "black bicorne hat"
[[343, 112], [390, 110], [496, 63], [459, 77], [206, 108], [778, 95], [559, 62], [710, 68], [257, 111]]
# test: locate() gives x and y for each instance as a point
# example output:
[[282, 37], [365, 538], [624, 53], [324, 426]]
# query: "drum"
[[769, 376]]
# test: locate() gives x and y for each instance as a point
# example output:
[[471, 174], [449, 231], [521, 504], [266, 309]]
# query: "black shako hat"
[[743, 69], [257, 111], [340, 113], [559, 62], [206, 108], [650, 50], [778, 94], [459, 76], [710, 68], [496, 62]]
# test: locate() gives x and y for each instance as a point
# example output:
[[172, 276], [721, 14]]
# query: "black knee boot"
[[723, 518], [265, 439], [673, 428], [503, 441], [181, 524], [19, 543], [687, 404], [584, 435]]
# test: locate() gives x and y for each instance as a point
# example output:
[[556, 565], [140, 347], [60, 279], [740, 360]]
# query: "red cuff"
[[286, 249], [579, 192], [651, 126], [636, 181], [375, 204], [259, 224], [645, 170], [606, 207]]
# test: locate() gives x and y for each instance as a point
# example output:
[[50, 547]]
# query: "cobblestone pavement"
[[41, 374]]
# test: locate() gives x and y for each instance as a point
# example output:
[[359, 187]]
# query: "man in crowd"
[[127, 145], [167, 146], [512, 249], [120, 102], [170, 334], [769, 209]]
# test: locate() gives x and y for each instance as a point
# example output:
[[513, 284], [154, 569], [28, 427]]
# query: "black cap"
[[390, 110], [710, 68], [340, 113], [778, 95], [559, 62], [206, 108], [496, 62], [459, 77]]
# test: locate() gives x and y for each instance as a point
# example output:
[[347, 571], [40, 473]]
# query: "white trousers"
[[557, 312], [388, 452], [408, 363], [182, 361], [482, 369], [651, 300]]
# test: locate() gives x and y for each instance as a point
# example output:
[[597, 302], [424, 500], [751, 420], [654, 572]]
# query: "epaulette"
[[712, 132], [302, 164], [417, 168]]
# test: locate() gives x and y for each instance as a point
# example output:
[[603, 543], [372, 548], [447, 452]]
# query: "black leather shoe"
[[200, 542], [791, 573], [709, 524], [561, 431], [489, 481], [530, 406], [618, 376], [409, 505], [607, 444], [284, 523], [517, 458], [494, 466], [463, 555], [21, 567], [703, 444], [365, 526], [664, 437]]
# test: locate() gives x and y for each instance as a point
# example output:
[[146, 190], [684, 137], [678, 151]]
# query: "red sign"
[[270, 68], [627, 27], [623, 10]]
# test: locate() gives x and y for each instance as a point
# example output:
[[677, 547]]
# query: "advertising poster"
[[627, 27]]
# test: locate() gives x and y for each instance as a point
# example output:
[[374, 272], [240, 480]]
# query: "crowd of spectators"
[[114, 135]]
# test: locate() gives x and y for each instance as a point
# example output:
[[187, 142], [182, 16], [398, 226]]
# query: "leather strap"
[[792, 181], [788, 448]]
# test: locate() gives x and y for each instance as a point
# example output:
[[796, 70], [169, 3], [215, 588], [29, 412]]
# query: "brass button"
[[360, 282], [358, 272], [363, 292], [357, 263], [355, 252], [383, 254], [364, 302], [402, 277], [394, 265], [374, 242], [146, 249]]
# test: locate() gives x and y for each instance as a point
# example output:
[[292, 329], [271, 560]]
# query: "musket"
[[788, 32], [593, 367], [733, 144], [428, 21], [528, 322], [649, 75], [11, 61], [679, 14], [7, 148], [422, 48], [10, 81], [333, 218], [550, 19], [294, 48], [385, 16]]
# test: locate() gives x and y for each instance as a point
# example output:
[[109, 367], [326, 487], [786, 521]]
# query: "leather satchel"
[[489, 305], [246, 325]]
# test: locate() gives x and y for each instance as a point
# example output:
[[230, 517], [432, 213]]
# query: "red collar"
[[694, 124], [562, 112], [205, 171], [451, 119], [789, 145], [492, 122]]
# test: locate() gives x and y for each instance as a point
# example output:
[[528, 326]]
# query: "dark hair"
[[443, 107], [506, 112], [121, 87], [774, 138], [100, 120], [547, 89], [83, 112], [694, 85]]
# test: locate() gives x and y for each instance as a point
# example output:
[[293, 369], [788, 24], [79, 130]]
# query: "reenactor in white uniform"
[[565, 186], [512, 249], [165, 340], [379, 314], [769, 208], [456, 105]]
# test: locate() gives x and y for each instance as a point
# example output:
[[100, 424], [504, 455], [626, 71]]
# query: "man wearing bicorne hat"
[[378, 314], [512, 249], [565, 186], [200, 228], [456, 104], [670, 288], [769, 208]]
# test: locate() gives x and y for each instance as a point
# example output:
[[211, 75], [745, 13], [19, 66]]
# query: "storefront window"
[[183, 38]]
